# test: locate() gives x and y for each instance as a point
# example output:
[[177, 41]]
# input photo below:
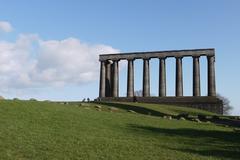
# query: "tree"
[[226, 104], [138, 93]]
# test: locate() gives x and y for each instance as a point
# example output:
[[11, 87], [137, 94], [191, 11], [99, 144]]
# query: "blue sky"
[[61, 34]]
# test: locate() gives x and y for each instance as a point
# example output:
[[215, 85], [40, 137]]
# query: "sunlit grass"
[[44, 130]]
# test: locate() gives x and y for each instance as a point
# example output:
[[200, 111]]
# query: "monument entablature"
[[158, 54]]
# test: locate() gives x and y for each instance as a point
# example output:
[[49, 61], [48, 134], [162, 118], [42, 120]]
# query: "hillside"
[[45, 130]]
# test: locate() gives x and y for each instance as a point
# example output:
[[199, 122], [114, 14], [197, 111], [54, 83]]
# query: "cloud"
[[5, 26], [31, 62]]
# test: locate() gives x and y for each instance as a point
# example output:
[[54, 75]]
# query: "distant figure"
[[83, 100], [134, 99], [32, 99], [88, 100]]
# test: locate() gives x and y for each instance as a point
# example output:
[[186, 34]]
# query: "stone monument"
[[109, 79]]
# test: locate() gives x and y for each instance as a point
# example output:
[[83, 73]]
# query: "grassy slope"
[[41, 130], [156, 109]]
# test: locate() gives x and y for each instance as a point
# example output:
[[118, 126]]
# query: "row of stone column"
[[109, 78]]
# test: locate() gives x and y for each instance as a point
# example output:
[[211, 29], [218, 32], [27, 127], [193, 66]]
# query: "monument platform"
[[212, 104]]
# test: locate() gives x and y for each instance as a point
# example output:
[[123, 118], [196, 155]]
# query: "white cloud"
[[33, 62], [5, 26]]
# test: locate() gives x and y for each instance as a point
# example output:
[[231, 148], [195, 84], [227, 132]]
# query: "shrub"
[[215, 117], [184, 115], [202, 117]]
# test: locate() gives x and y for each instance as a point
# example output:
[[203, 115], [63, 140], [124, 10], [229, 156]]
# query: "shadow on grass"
[[147, 111], [137, 109], [219, 144], [228, 122]]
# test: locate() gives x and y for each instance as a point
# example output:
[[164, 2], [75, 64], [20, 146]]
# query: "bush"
[[215, 117], [202, 117], [184, 115]]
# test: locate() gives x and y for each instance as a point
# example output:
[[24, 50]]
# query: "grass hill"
[[128, 131]]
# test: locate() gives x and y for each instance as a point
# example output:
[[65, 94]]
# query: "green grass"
[[157, 110], [43, 130]]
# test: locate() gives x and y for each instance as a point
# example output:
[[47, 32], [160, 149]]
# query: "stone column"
[[102, 80], [179, 77], [146, 78], [162, 77], [115, 79], [130, 78], [211, 76], [108, 79], [196, 77]]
